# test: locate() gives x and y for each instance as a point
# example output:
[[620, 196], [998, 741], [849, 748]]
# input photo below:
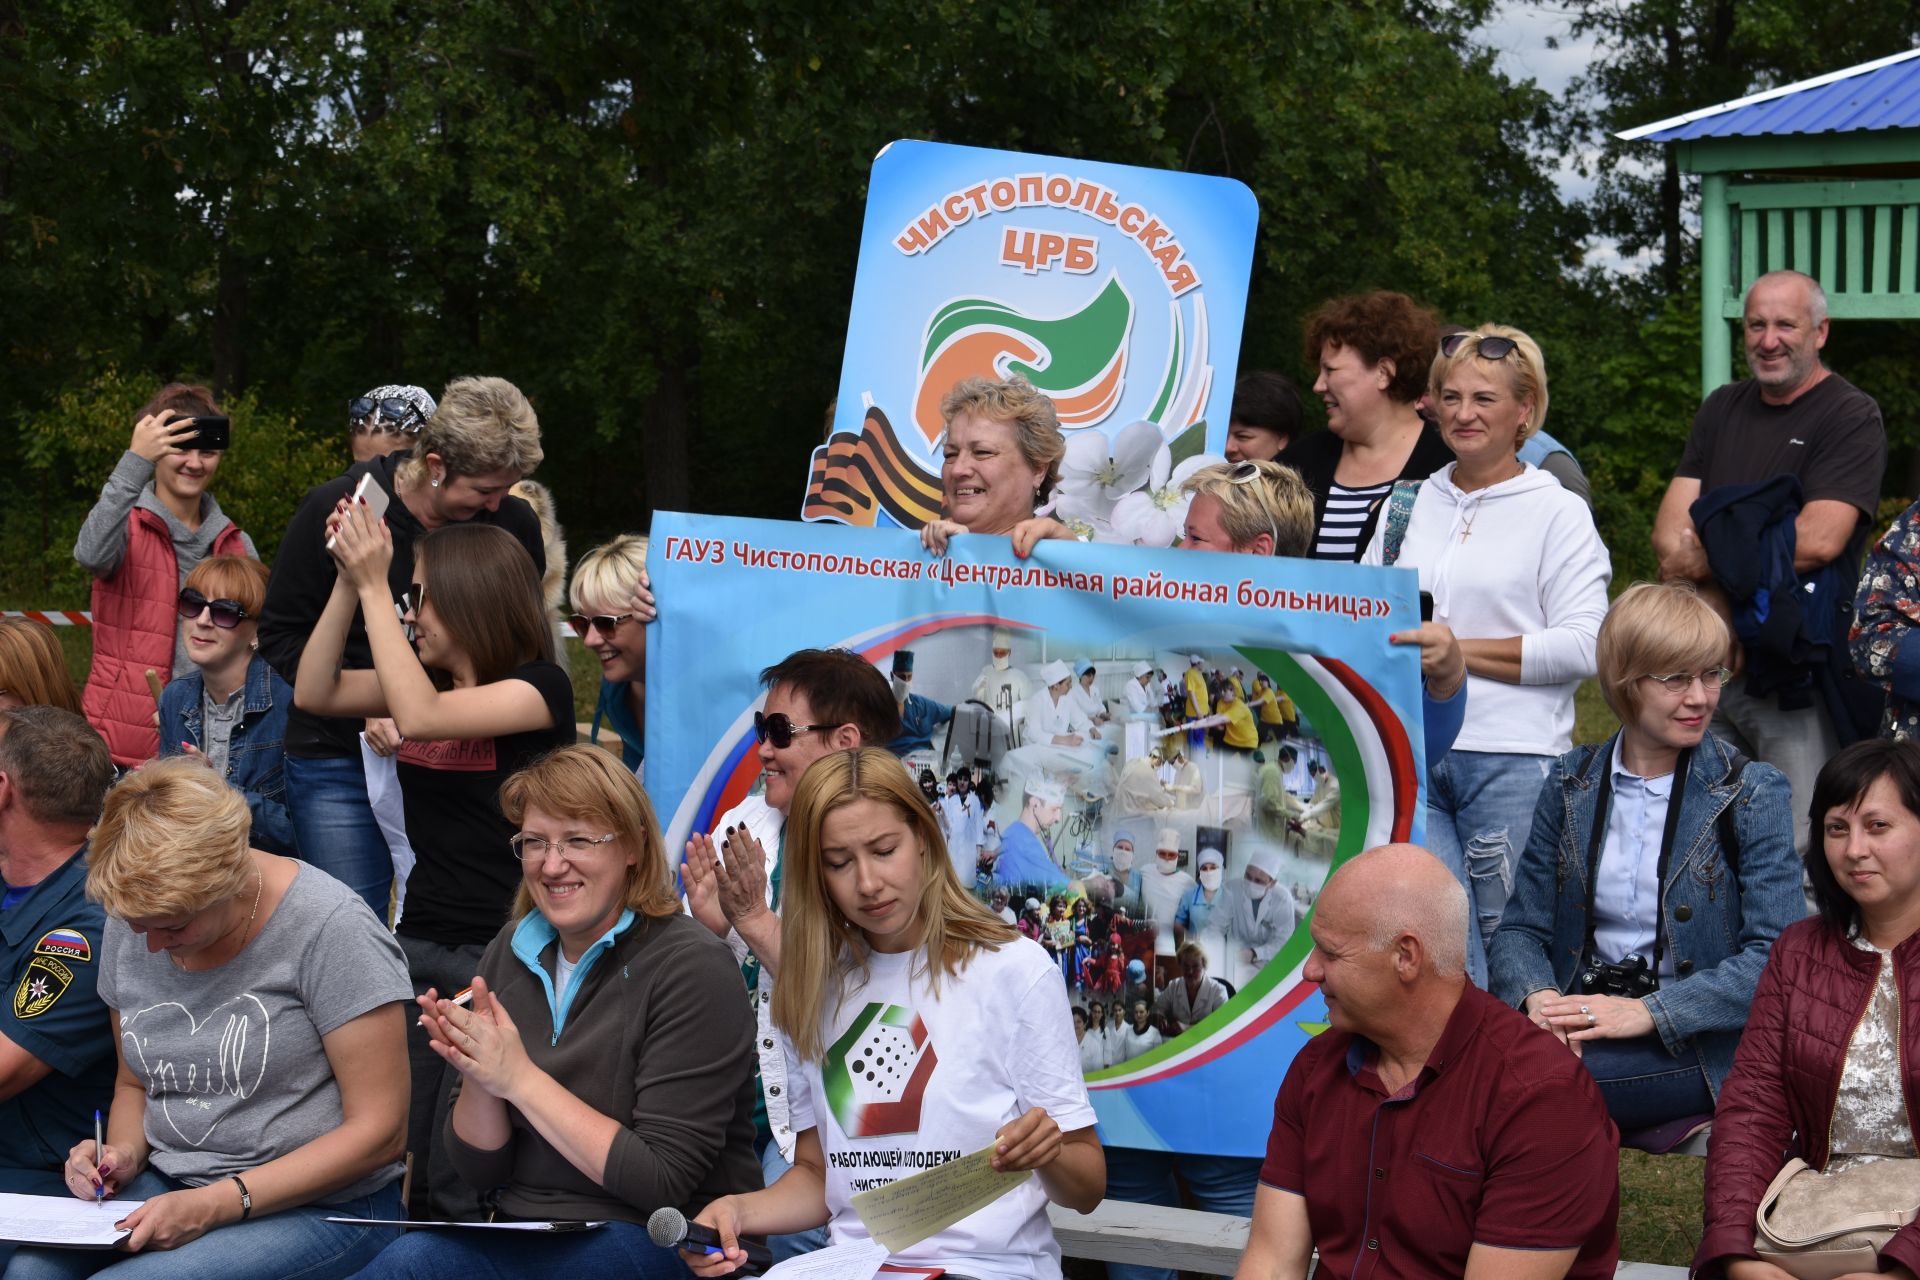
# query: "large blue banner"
[[1118, 291], [1270, 732]]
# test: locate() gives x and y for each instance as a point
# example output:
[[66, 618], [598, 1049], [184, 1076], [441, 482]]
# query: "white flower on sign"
[[1156, 516], [1096, 473]]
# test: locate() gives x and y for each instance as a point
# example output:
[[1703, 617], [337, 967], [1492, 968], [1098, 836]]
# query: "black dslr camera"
[[1632, 978]]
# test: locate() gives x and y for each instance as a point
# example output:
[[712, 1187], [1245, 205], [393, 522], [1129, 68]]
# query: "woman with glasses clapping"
[[231, 709], [481, 698], [1660, 870], [1517, 571], [606, 1061]]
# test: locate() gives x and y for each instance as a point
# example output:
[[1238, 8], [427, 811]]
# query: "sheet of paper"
[[902, 1214], [474, 1226], [63, 1221], [859, 1260]]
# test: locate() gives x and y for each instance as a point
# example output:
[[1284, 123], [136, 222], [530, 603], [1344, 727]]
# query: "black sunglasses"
[[1491, 347], [411, 602], [779, 729], [227, 614], [604, 623], [396, 415]]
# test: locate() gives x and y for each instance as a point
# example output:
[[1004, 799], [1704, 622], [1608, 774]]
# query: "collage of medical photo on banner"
[[1130, 750]]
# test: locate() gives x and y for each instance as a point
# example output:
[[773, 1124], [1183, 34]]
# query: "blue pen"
[[99, 1147]]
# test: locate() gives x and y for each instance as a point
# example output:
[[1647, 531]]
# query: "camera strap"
[[1597, 840]]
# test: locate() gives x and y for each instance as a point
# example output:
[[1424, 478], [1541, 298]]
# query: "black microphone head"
[[667, 1227]]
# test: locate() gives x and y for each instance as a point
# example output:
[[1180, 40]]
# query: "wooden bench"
[[1152, 1235]]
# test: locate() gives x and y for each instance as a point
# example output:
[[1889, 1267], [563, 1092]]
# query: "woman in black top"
[[1372, 353], [480, 700]]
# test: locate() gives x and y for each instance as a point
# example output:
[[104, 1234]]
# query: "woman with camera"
[[1659, 871], [1830, 1061]]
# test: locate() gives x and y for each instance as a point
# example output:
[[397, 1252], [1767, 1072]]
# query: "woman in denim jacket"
[[1644, 959], [231, 710]]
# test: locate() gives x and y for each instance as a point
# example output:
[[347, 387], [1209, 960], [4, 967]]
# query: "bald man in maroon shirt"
[[1432, 1130]]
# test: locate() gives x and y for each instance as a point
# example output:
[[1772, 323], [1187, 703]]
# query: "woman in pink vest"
[[154, 522]]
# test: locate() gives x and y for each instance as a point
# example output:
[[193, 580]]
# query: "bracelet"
[[246, 1198]]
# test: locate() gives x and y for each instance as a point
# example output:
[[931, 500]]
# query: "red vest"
[[134, 622]]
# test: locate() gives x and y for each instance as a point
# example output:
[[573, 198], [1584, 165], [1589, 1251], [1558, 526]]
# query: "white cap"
[[1054, 672], [1045, 790], [1142, 669], [1268, 860], [1167, 839], [1195, 660], [1211, 856], [1002, 638]]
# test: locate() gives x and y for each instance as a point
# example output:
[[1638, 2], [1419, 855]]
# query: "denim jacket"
[[1717, 929], [255, 755]]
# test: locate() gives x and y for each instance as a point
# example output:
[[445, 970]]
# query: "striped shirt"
[[1338, 537]]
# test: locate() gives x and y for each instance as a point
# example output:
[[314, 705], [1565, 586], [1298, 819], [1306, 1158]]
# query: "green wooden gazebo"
[[1823, 177]]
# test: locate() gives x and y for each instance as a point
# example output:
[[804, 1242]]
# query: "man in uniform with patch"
[[56, 1044]]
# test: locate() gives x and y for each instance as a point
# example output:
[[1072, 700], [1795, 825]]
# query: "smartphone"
[[1426, 606], [375, 497], [209, 433]]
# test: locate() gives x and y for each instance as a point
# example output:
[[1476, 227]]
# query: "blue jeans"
[[293, 1244], [772, 1166], [617, 1249], [334, 825], [1479, 811], [1644, 1085], [1217, 1184]]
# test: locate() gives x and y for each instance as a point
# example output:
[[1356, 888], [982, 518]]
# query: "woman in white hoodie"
[[1518, 572]]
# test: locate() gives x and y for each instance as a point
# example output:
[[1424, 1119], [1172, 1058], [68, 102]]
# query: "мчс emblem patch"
[[68, 944], [44, 982]]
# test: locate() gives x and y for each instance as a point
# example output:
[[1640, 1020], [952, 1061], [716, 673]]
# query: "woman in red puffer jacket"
[[1830, 1060]]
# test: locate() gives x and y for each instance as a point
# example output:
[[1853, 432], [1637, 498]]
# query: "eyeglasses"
[[1710, 679], [604, 623], [394, 415], [227, 614], [779, 729], [1250, 473], [529, 847], [1491, 346]]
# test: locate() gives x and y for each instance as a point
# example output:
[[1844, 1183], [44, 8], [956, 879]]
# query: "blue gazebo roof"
[[1883, 94]]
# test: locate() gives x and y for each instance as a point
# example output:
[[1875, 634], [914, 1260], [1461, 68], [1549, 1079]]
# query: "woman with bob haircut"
[[1000, 460], [33, 670], [611, 609], [606, 1064], [475, 698], [877, 932], [257, 1008], [1265, 509], [1371, 353], [1518, 573], [232, 707], [1660, 869], [1830, 1061]]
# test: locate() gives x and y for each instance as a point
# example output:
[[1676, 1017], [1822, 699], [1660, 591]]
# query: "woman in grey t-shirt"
[[263, 1072]]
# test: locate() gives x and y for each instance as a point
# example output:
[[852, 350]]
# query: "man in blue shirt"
[[1023, 858], [56, 1045]]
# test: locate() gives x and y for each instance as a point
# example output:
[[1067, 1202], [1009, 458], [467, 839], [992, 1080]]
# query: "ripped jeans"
[[1479, 811]]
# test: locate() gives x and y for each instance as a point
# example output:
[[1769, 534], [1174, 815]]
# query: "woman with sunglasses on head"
[[480, 699], [1000, 460], [1517, 571], [1659, 871], [155, 520], [1371, 352], [387, 420], [231, 709], [1265, 509], [606, 1062], [878, 931]]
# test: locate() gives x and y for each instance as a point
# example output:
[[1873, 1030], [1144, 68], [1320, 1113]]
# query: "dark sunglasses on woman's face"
[[1490, 348], [227, 614], [605, 623], [779, 729]]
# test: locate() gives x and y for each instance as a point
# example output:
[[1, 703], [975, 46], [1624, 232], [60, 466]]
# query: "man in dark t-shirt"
[[1793, 417], [1430, 1130]]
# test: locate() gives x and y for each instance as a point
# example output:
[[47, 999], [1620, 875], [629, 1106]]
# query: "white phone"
[[376, 499]]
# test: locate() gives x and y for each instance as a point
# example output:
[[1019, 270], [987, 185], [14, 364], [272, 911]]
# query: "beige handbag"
[[1817, 1226]]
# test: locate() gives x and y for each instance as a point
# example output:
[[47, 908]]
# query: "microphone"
[[669, 1229]]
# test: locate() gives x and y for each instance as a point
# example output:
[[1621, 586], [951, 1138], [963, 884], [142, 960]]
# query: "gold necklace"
[[259, 882]]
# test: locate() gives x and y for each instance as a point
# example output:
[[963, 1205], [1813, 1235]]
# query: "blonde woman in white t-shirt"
[[919, 1027]]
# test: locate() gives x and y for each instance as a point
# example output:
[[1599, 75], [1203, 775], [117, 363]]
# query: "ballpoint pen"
[[99, 1147]]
